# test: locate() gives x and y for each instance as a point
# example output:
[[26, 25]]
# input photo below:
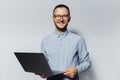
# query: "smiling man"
[[65, 51], [61, 18]]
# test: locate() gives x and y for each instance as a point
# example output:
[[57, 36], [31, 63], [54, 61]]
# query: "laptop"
[[35, 63]]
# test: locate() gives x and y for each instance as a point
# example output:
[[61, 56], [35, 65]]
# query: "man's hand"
[[42, 75], [71, 72]]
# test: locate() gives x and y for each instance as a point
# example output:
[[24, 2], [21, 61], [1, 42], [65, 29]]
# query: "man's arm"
[[84, 61]]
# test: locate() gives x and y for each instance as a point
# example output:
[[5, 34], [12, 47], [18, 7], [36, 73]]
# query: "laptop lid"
[[34, 62]]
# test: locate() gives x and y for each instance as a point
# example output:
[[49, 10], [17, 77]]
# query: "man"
[[65, 51]]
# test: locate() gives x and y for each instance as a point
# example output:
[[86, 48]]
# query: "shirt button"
[[60, 67]]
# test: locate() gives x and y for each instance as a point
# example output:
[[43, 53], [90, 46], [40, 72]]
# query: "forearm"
[[83, 66]]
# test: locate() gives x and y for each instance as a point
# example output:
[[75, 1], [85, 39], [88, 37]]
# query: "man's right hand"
[[42, 75]]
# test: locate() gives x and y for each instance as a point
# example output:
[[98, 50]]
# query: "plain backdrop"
[[24, 23]]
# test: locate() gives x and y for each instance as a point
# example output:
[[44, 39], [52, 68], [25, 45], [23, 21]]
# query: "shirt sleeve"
[[84, 61]]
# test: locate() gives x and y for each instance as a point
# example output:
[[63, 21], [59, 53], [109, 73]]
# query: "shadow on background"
[[76, 32], [88, 75]]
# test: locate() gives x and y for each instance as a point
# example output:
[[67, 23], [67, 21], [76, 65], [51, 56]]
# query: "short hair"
[[62, 6]]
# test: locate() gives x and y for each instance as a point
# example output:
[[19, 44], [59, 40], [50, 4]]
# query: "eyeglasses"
[[61, 16]]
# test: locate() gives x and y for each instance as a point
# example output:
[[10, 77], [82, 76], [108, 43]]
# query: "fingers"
[[70, 72], [71, 75], [42, 75]]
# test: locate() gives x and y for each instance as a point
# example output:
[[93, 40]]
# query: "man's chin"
[[61, 26]]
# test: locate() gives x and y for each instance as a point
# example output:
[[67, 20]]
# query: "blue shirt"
[[65, 50]]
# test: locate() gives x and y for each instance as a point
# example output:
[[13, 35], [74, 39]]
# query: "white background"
[[23, 24]]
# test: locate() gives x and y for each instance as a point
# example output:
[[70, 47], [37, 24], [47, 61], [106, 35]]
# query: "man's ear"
[[69, 19], [52, 18]]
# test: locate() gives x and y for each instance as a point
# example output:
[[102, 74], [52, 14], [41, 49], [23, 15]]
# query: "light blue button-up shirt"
[[65, 50]]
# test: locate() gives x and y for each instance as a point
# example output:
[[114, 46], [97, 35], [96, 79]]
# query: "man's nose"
[[61, 18]]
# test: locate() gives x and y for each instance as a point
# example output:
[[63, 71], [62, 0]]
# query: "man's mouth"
[[61, 22]]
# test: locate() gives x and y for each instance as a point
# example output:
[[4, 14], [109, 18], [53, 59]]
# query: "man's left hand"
[[71, 72]]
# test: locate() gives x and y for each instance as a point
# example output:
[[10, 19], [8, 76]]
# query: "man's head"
[[61, 17]]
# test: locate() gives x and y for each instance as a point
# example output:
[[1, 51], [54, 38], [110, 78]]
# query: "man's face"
[[61, 18]]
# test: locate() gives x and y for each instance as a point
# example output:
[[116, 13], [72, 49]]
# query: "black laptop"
[[35, 63]]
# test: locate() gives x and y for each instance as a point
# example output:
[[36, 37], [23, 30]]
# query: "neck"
[[60, 32]]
